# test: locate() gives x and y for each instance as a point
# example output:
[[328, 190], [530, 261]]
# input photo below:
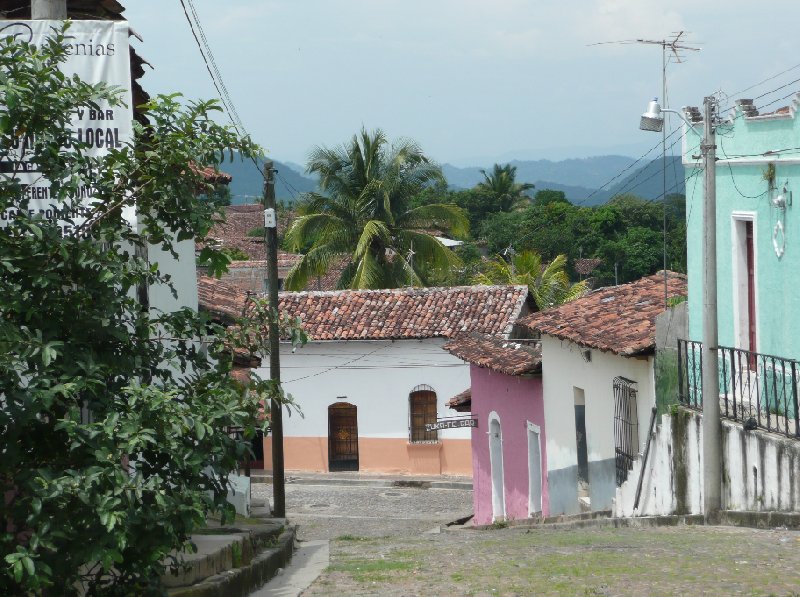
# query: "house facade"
[[598, 388], [374, 374], [509, 442], [758, 255]]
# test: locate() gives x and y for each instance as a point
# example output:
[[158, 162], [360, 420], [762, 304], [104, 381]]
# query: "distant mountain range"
[[579, 179], [247, 185]]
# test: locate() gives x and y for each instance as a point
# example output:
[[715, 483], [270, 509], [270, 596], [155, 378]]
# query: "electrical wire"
[[213, 70]]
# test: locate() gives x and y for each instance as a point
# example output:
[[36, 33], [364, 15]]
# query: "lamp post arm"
[[686, 120]]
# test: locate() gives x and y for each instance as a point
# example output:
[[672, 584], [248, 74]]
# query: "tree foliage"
[[548, 283], [366, 216], [627, 231], [501, 185], [113, 417]]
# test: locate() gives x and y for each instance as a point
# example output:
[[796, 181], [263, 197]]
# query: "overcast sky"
[[473, 81]]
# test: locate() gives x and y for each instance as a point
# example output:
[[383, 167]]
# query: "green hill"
[[247, 185]]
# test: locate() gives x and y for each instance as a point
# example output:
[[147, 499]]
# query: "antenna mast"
[[674, 45]]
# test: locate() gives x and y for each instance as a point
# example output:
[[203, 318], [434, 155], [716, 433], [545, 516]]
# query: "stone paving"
[[331, 511], [390, 541]]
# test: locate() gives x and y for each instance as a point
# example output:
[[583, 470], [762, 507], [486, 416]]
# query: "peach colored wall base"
[[379, 455]]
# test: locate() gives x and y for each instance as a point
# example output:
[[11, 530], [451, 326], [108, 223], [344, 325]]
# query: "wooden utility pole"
[[276, 408], [49, 9]]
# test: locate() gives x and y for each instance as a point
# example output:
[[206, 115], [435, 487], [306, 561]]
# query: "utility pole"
[[276, 408], [55, 10], [712, 459]]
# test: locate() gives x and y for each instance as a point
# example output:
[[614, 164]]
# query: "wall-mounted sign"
[[97, 52], [451, 424]]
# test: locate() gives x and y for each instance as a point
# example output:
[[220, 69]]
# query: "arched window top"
[[423, 387]]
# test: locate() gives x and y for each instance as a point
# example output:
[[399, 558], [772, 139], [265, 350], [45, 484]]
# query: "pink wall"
[[516, 400]]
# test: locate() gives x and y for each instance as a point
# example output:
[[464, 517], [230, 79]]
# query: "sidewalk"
[[368, 479]]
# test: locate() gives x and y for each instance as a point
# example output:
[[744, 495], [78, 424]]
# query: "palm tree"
[[363, 216], [548, 283], [502, 185]]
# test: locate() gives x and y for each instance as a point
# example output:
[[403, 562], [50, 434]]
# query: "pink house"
[[509, 459]]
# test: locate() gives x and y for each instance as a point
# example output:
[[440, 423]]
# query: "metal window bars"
[[626, 427], [760, 390]]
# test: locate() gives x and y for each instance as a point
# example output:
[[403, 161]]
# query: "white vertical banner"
[[98, 52]]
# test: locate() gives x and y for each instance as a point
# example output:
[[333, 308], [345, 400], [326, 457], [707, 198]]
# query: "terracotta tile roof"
[[223, 301], [461, 402], [285, 260], [212, 174], [384, 314], [618, 319], [584, 267], [239, 220], [503, 356]]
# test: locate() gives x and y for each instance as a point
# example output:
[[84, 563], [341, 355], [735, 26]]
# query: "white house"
[[374, 373], [598, 381]]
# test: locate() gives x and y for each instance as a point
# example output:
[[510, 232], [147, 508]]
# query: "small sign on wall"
[[451, 424]]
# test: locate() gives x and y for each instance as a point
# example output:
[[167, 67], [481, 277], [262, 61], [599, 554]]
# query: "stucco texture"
[[376, 377], [515, 400], [744, 194], [568, 366]]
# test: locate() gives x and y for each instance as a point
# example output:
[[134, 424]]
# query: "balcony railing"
[[757, 389]]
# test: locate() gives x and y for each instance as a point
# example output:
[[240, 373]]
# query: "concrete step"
[[233, 560]]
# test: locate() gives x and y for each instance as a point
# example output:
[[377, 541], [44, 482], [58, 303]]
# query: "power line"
[[213, 70]]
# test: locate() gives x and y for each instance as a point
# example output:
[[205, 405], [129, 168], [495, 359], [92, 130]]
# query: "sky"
[[473, 82]]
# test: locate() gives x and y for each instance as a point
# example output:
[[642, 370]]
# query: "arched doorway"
[[342, 437], [496, 462]]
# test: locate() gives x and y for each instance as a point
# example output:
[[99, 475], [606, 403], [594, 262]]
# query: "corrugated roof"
[[618, 319]]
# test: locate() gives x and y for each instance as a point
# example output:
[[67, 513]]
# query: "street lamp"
[[652, 120]]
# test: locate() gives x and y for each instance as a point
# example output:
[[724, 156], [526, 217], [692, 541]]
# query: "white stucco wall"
[[183, 273], [565, 367], [761, 471], [375, 376]]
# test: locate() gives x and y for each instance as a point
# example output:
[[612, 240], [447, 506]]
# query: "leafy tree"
[[548, 282], [219, 195], [502, 186], [547, 196], [365, 213], [113, 421]]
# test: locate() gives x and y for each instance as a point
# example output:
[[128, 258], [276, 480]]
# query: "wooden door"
[[751, 290], [342, 437]]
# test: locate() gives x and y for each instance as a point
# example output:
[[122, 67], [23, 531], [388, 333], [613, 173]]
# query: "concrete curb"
[[243, 581], [734, 518], [412, 483]]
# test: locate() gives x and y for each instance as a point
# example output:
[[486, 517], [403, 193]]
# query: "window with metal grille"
[[626, 427], [422, 410]]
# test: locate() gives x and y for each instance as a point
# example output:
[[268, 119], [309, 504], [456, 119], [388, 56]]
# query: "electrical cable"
[[213, 70]]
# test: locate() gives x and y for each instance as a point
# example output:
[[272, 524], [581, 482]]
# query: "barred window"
[[422, 409]]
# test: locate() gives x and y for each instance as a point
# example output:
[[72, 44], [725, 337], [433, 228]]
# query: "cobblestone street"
[[331, 511], [384, 541]]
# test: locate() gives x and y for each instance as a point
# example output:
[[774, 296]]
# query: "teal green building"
[[758, 265], [758, 229]]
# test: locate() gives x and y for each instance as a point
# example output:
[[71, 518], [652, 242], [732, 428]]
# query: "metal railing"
[[757, 389]]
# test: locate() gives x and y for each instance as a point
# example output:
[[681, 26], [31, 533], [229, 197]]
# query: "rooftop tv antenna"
[[674, 46]]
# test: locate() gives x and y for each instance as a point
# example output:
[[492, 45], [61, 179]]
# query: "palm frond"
[[316, 262], [373, 231], [446, 217]]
